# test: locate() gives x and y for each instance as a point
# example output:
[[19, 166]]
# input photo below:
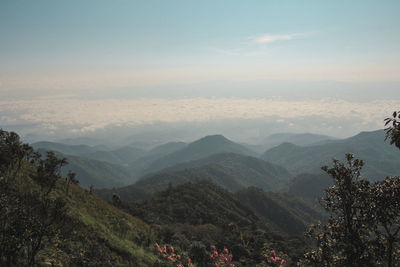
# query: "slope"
[[49, 221], [205, 213]]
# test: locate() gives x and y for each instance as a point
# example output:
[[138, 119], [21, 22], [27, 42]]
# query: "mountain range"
[[381, 159]]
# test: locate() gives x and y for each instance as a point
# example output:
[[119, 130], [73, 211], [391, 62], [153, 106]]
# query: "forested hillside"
[[47, 219]]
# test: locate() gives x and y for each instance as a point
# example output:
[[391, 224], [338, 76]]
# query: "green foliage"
[[31, 218], [363, 227], [393, 129]]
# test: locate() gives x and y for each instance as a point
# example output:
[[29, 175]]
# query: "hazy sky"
[[235, 51]]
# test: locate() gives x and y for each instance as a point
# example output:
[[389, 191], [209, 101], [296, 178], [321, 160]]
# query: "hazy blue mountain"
[[167, 148], [229, 170], [303, 139], [123, 155], [100, 174], [201, 148], [89, 141], [64, 148], [140, 165], [252, 171], [381, 159]]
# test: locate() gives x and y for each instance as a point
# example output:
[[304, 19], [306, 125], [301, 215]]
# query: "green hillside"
[[195, 215], [309, 186], [48, 220], [284, 211]]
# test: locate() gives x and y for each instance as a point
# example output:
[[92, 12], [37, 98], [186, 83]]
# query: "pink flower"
[[226, 250], [171, 249], [283, 262], [156, 245], [213, 247], [273, 253]]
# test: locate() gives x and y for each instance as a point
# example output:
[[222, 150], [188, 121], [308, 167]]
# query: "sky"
[[84, 65]]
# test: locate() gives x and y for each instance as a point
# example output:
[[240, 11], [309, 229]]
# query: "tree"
[[71, 179], [364, 224], [345, 240], [30, 217], [393, 129], [386, 215]]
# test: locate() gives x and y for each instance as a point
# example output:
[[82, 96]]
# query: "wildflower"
[[226, 250]]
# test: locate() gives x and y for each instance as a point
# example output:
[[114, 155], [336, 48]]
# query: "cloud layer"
[[77, 116]]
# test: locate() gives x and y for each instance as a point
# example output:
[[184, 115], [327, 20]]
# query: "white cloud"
[[271, 38], [75, 115]]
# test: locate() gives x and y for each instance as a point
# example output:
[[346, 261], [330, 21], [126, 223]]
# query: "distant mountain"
[[63, 148], [139, 166], [229, 170], [100, 174], [123, 155], [201, 148], [167, 148], [81, 141], [302, 139], [381, 159]]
